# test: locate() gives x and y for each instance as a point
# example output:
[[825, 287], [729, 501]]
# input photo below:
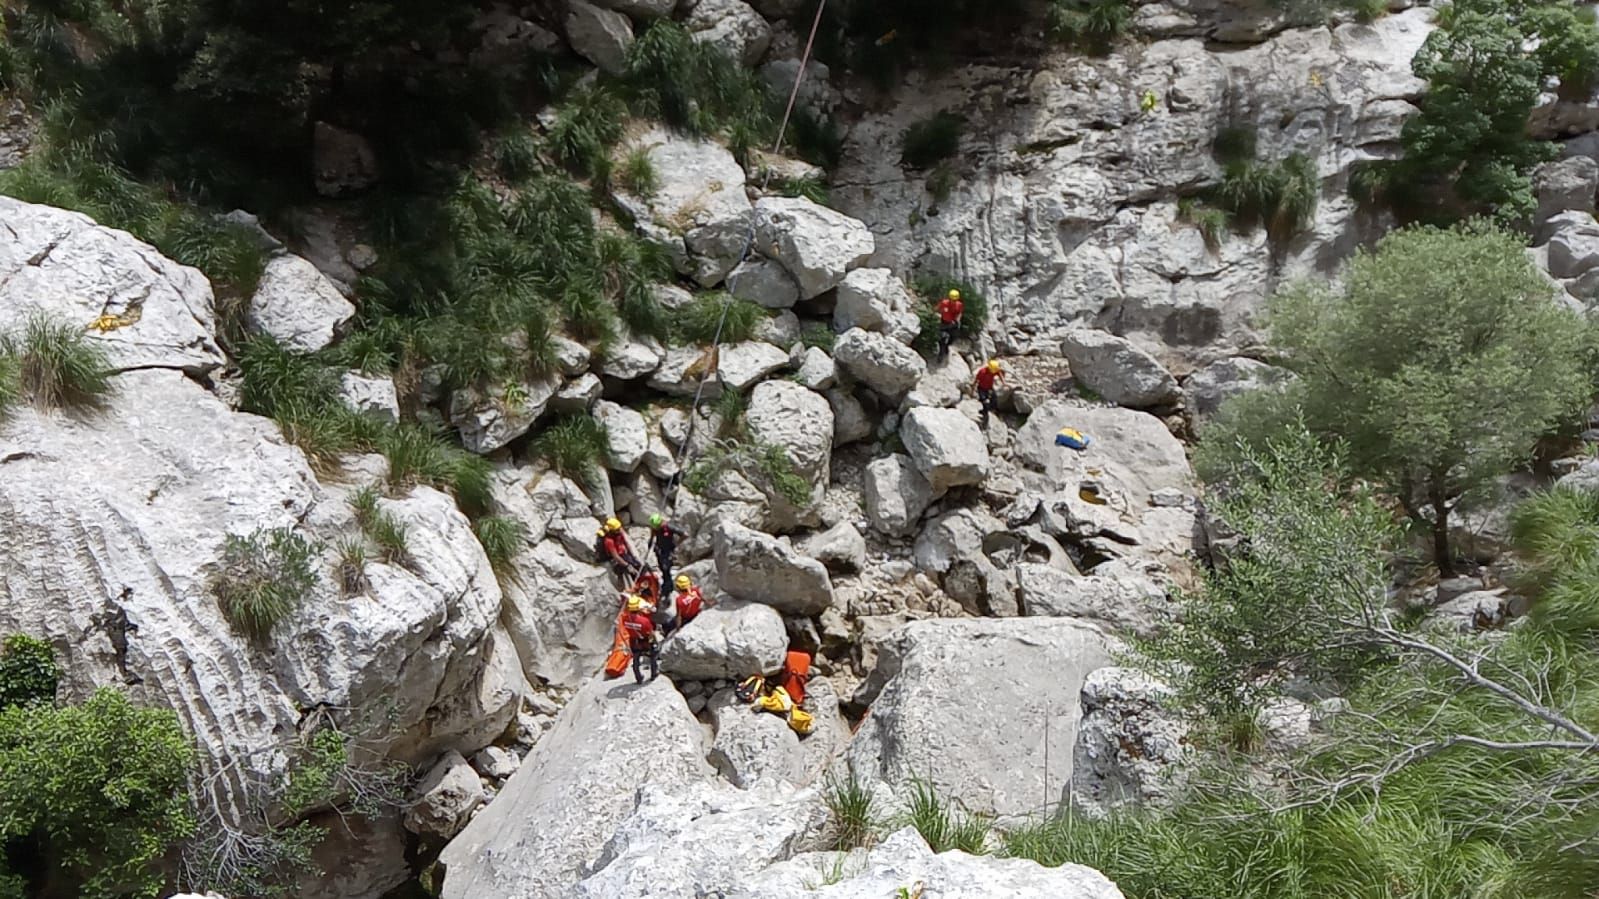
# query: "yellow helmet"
[[682, 582], [954, 294], [612, 525], [993, 366], [635, 604]]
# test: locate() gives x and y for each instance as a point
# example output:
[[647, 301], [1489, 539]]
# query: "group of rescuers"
[[649, 616]]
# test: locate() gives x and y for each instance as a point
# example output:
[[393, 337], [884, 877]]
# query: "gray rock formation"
[[626, 437], [785, 414], [732, 27], [946, 447], [445, 798], [1131, 748], [297, 305], [1224, 379], [895, 494], [876, 300], [761, 568], [374, 397], [816, 370], [698, 211], [730, 640], [488, 421], [1116, 370], [1128, 602], [986, 675], [342, 161], [62, 265], [816, 244], [840, 547], [880, 362], [551, 824], [763, 282], [600, 36]]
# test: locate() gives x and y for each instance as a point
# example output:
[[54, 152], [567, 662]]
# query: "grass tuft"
[[502, 538], [852, 812], [942, 825], [574, 445], [351, 567], [697, 322], [931, 141], [637, 175], [264, 577], [55, 365]]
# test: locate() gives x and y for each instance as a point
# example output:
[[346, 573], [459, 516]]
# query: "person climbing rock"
[[689, 600], [984, 382], [950, 310], [641, 640], [663, 537], [618, 551]]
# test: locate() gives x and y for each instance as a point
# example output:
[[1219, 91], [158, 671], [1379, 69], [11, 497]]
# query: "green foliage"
[[502, 538], [1211, 222], [694, 86], [10, 383], [1279, 196], [1440, 363], [765, 465], [419, 455], [931, 141], [1309, 557], [1368, 11], [697, 322], [56, 364], [819, 335], [943, 826], [301, 393], [383, 529], [586, 126], [1091, 24], [810, 188], [516, 156], [935, 288], [852, 813], [1557, 536], [574, 445], [352, 567], [777, 469], [264, 577], [1468, 151], [92, 798], [28, 671], [638, 175]]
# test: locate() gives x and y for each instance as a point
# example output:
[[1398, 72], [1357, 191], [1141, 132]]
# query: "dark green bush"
[[929, 142], [697, 322], [28, 671], [502, 537], [56, 364], [1281, 197], [418, 455], [574, 445], [1091, 24], [264, 577]]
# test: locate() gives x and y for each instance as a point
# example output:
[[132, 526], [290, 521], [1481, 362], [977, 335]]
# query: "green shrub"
[[516, 155], [264, 577], [1368, 11], [352, 567], [1210, 221], [943, 826], [809, 188], [638, 175], [777, 470], [931, 141], [1092, 24], [418, 455], [852, 815], [383, 529], [92, 798], [694, 86], [277, 380], [1281, 197], [698, 321], [57, 365], [502, 538], [819, 335], [574, 445], [28, 671], [586, 126]]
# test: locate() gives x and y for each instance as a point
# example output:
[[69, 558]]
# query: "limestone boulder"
[[730, 640], [946, 447], [817, 245], [880, 362], [297, 305], [631, 358], [1567, 185], [448, 794], [895, 494], [601, 36], [489, 419], [579, 394], [626, 436], [549, 827], [1116, 370], [816, 370], [1573, 244], [840, 547], [1209, 387], [851, 422], [876, 299], [984, 673], [785, 414], [373, 397], [743, 364], [65, 267], [1132, 748], [955, 547], [904, 859], [1130, 602], [760, 568], [763, 282], [698, 211], [752, 745], [732, 27], [560, 611]]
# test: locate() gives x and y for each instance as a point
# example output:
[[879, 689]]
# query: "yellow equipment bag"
[[800, 720], [775, 701]]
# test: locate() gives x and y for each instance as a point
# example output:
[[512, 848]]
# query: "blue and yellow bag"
[[1073, 438]]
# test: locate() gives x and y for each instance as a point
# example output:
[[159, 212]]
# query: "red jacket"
[[616, 546], [985, 378], [689, 603], [639, 628], [949, 311], [648, 585]]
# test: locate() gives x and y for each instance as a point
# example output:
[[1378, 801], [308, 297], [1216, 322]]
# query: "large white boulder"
[[1116, 370], [816, 244], [601, 36], [698, 210], [629, 358], [550, 825], [732, 27], [947, 447], [785, 414], [895, 494], [1568, 184], [298, 305], [975, 707], [370, 396], [876, 299], [763, 282], [903, 860], [761, 568], [731, 640], [626, 436], [115, 570], [1129, 602], [560, 611], [880, 362], [488, 419], [1573, 244], [64, 266], [444, 798]]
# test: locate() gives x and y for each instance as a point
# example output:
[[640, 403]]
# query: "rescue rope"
[[749, 242]]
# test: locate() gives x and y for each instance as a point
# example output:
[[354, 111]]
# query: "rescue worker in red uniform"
[[984, 382], [690, 601], [641, 640], [618, 551], [950, 310]]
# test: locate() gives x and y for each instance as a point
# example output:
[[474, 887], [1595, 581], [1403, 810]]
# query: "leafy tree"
[[92, 797], [1440, 362], [28, 671]]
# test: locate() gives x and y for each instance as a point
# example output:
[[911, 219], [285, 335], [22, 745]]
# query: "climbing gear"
[[108, 322], [635, 603], [1072, 438], [616, 662], [655, 520], [777, 700], [683, 582], [953, 294], [612, 525], [796, 672], [993, 366]]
